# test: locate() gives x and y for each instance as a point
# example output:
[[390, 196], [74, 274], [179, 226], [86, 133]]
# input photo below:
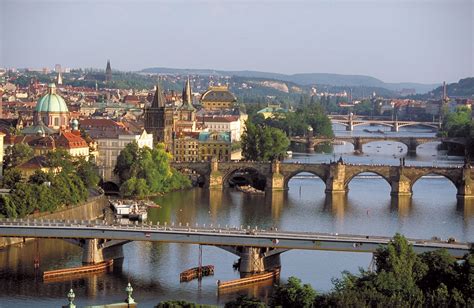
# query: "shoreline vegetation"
[[145, 172], [401, 278]]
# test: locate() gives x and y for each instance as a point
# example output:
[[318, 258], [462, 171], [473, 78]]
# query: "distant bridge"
[[336, 175], [411, 142], [258, 249], [351, 121]]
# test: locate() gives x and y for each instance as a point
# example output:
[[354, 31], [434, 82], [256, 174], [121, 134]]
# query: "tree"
[[146, 171], [12, 177], [245, 302], [40, 177], [16, 155], [87, 171], [293, 294], [263, 143]]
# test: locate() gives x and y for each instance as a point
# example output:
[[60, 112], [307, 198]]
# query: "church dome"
[[51, 102]]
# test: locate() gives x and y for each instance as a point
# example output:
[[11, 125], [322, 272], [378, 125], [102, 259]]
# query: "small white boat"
[[289, 153]]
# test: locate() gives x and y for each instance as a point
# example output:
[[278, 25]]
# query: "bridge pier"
[[254, 260], [276, 181], [466, 185], [215, 177], [336, 182], [96, 251], [358, 145]]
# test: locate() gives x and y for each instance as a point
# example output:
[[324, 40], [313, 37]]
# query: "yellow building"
[[215, 145], [186, 147], [218, 97]]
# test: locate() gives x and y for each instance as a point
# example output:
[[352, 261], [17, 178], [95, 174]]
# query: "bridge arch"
[[294, 173], [351, 176], [357, 123], [451, 179], [433, 126], [260, 181]]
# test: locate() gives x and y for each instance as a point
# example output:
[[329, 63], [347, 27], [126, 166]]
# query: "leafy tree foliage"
[[457, 123], [48, 191], [16, 155], [294, 294], [245, 302], [263, 143], [145, 171], [404, 279], [181, 304]]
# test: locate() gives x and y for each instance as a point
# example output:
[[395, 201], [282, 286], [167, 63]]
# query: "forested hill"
[[462, 88], [303, 79]]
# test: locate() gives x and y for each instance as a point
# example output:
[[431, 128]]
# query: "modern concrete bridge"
[[336, 175], [258, 249], [358, 141], [352, 121]]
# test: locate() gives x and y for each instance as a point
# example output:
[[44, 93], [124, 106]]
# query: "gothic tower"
[[108, 72], [159, 120]]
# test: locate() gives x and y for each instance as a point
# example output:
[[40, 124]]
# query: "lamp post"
[[129, 291], [71, 296]]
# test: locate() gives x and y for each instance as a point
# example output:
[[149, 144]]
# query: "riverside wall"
[[91, 209]]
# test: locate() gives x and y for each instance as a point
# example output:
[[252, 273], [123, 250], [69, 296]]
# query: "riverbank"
[[91, 209]]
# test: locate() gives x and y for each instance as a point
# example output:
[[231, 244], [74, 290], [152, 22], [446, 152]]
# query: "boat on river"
[[131, 209]]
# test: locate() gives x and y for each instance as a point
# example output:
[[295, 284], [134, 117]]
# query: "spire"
[[60, 78], [51, 88], [187, 95], [158, 99], [445, 94], [108, 72]]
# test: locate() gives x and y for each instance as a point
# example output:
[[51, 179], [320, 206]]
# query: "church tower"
[[108, 72], [186, 120], [159, 120]]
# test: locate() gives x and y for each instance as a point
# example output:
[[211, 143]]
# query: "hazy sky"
[[394, 40]]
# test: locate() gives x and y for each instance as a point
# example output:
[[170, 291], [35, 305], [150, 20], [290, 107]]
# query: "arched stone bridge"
[[336, 176], [411, 142], [351, 121]]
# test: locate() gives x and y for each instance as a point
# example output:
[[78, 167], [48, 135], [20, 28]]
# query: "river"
[[153, 269]]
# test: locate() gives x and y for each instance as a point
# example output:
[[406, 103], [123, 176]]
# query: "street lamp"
[[129, 291], [71, 296]]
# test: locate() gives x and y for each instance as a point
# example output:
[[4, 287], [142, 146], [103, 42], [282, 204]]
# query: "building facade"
[[218, 97], [159, 120]]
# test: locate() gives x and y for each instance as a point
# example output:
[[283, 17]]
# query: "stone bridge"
[[336, 176], [411, 142], [351, 121]]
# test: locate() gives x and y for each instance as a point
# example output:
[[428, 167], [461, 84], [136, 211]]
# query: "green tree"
[[40, 177], [12, 177], [181, 304], [263, 143], [243, 301], [16, 155], [293, 294], [88, 173]]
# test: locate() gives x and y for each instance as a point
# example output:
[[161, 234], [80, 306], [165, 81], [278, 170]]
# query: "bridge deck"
[[218, 236]]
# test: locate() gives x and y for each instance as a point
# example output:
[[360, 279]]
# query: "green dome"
[[51, 102]]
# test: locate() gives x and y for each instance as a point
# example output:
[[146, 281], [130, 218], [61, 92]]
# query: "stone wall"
[[91, 209]]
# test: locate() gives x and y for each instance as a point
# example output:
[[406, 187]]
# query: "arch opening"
[[297, 179], [110, 188], [434, 185], [369, 179], [245, 177]]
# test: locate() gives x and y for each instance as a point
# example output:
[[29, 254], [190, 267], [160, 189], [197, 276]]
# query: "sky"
[[393, 40]]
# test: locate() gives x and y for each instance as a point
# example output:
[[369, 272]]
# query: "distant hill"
[[462, 88], [304, 79]]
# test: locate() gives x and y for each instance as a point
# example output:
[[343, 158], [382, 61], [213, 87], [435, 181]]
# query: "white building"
[[230, 124]]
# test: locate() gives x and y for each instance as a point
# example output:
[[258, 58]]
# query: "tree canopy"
[[263, 143], [145, 171]]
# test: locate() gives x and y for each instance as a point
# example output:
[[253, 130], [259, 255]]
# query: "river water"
[[153, 269]]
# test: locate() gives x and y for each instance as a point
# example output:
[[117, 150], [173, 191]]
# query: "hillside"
[[462, 88], [303, 79]]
